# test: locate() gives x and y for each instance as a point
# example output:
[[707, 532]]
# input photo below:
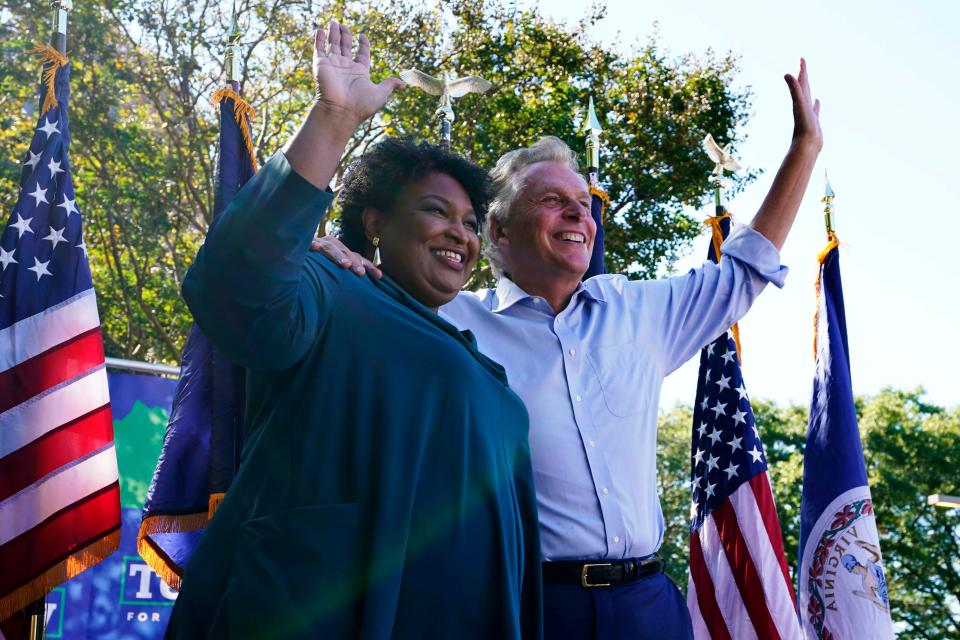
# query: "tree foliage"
[[145, 134], [912, 450]]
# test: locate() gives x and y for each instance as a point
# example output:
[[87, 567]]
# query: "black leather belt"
[[599, 573]]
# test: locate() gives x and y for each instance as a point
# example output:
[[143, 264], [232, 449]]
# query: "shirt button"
[[605, 491], [592, 443], [616, 538], [536, 301], [579, 399], [573, 352]]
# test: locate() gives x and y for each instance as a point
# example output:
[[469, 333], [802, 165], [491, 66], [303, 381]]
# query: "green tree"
[[911, 448], [145, 134]]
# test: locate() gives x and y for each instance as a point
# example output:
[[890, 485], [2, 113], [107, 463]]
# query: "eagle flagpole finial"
[[448, 88], [724, 162]]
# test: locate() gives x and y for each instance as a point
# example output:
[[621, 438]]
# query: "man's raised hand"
[[806, 110]]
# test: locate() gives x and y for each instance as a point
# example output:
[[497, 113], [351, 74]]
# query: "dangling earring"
[[376, 251]]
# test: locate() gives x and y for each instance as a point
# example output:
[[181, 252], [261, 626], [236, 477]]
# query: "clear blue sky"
[[886, 75]]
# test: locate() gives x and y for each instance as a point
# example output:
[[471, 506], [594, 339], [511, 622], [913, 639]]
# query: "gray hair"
[[508, 180]]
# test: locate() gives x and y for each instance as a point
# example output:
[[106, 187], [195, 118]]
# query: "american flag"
[[59, 489], [739, 584]]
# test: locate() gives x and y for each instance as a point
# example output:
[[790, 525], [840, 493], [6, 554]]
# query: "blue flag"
[[598, 199], [201, 448], [842, 587]]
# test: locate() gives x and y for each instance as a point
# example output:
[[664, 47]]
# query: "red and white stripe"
[[59, 488], [739, 584]]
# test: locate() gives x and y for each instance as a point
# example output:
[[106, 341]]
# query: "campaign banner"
[[122, 597]]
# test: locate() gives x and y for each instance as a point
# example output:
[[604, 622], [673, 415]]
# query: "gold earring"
[[376, 251]]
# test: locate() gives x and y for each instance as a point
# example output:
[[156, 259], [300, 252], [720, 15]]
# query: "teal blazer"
[[385, 488]]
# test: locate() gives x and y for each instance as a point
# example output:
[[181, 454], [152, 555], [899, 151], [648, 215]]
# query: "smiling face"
[[549, 235], [429, 242]]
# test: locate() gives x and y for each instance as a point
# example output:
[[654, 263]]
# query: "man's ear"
[[498, 232]]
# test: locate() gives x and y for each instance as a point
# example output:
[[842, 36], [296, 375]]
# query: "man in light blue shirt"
[[589, 358]]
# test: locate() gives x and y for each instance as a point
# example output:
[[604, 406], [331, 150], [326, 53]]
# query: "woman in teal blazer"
[[385, 488]]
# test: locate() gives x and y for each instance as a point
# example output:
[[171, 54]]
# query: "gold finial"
[[827, 200], [231, 60], [593, 139]]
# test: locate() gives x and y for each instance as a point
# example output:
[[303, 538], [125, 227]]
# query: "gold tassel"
[[214, 504], [51, 60], [717, 240], [169, 571], [74, 564], [832, 243], [243, 113], [160, 562], [604, 199]]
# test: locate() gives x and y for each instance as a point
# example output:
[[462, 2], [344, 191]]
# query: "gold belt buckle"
[[583, 575]]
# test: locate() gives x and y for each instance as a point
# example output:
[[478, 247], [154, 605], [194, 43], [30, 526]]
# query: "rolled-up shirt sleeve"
[[754, 250], [252, 289], [705, 302]]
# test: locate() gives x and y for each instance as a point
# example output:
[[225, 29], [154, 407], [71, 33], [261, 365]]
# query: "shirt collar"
[[509, 294]]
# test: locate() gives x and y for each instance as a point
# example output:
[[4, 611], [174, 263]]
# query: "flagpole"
[[598, 197], [445, 117], [35, 612], [231, 61], [58, 36], [719, 209]]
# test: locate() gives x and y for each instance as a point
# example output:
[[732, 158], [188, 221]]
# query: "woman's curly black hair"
[[376, 179]]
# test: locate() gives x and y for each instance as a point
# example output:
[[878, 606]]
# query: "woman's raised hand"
[[345, 97], [342, 82]]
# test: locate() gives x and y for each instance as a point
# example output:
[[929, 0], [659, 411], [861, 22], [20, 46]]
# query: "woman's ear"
[[372, 223]]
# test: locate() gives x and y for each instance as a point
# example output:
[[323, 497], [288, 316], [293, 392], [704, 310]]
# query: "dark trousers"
[[651, 607]]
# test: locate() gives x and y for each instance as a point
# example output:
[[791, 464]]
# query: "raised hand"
[[806, 110], [779, 208], [343, 83], [345, 97]]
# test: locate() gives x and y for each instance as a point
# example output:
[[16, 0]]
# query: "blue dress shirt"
[[591, 377]]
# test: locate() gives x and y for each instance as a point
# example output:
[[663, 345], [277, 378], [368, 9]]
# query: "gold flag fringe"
[[51, 60], [832, 243], [74, 564], [717, 239], [214, 504], [168, 570], [604, 198], [243, 113]]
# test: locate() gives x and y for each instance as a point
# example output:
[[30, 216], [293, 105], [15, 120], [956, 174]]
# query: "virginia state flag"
[[201, 448], [842, 585]]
